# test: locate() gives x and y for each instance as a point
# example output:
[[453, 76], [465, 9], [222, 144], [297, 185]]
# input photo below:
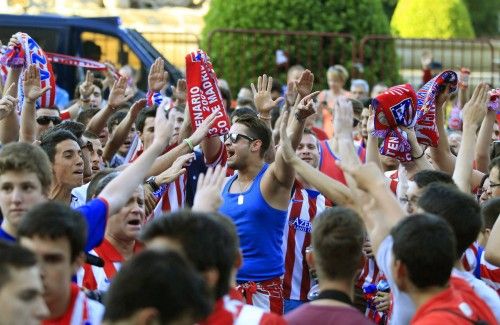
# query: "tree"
[[431, 19], [240, 58], [485, 15]]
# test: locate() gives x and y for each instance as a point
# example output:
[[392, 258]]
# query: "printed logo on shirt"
[[300, 224]]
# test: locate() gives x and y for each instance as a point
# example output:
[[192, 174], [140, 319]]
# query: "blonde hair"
[[339, 71]]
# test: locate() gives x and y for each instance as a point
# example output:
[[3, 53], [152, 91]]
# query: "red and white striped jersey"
[[328, 161], [81, 311], [99, 278], [304, 206], [487, 272], [232, 311], [370, 274], [174, 197]]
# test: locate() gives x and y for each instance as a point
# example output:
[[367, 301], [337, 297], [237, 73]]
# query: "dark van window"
[[47, 38]]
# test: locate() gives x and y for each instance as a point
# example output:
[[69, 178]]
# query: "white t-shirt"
[[487, 294], [403, 307]]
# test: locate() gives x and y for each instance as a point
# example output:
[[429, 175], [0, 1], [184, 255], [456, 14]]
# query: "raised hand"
[[208, 197], [201, 132], [305, 83], [262, 96], [343, 118], [13, 41], [180, 91], [157, 78], [163, 128], [31, 84], [7, 103], [426, 59], [305, 107], [109, 77], [370, 124], [475, 109], [137, 107], [176, 170], [87, 87], [118, 95]]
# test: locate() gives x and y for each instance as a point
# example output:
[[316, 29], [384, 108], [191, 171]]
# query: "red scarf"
[[395, 107], [203, 95]]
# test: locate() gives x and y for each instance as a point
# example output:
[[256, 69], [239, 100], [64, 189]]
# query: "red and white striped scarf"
[[26, 53]]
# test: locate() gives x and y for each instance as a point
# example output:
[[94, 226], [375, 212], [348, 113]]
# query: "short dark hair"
[[94, 183], [50, 140], [143, 115], [208, 243], [55, 220], [257, 129], [242, 111], [25, 158], [494, 163], [160, 280], [74, 127], [461, 211], [86, 115], [116, 119], [13, 256], [428, 176], [490, 211], [337, 237], [426, 245]]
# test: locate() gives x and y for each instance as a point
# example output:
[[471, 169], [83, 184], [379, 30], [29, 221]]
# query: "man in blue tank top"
[[257, 197]]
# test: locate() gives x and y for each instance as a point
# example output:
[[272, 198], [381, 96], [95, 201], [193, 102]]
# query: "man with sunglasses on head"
[[46, 118]]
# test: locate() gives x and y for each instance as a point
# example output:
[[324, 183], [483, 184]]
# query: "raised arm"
[[441, 155], [419, 161], [7, 105], [283, 173], [116, 98], [492, 249], [473, 113], [119, 190], [122, 130], [264, 105], [32, 91], [166, 160], [208, 191], [372, 153], [9, 125], [482, 152]]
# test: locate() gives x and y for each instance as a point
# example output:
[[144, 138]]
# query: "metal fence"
[[477, 54], [241, 54]]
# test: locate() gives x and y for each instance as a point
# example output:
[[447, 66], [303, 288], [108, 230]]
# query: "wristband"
[[423, 153], [189, 143], [262, 117], [152, 182]]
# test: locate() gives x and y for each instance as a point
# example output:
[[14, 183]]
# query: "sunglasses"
[[235, 137], [44, 120]]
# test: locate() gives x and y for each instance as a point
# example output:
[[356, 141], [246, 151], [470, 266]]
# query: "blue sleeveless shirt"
[[260, 229]]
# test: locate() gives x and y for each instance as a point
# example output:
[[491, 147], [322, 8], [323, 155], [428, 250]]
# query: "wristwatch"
[[152, 182]]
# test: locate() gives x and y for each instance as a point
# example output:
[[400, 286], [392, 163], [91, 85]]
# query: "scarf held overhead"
[[203, 95], [394, 108], [28, 52], [401, 106]]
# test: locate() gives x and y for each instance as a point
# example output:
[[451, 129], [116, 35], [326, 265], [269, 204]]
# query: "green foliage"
[[240, 58], [485, 15], [431, 19]]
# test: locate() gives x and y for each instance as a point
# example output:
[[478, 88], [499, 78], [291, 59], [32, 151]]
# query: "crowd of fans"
[[116, 210]]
